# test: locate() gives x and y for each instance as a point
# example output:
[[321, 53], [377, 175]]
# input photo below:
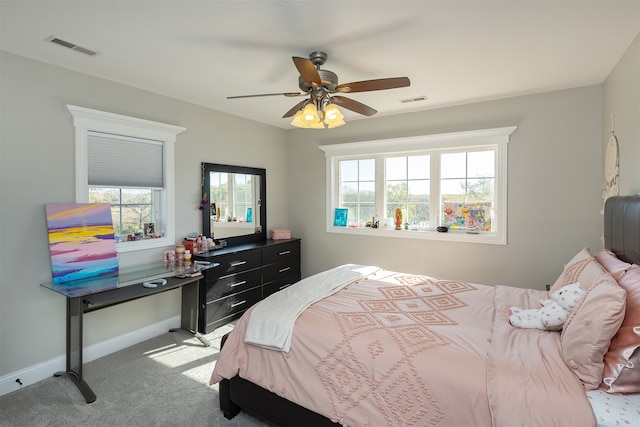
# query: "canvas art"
[[467, 215], [81, 241], [340, 217]]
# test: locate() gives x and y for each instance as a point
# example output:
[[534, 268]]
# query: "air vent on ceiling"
[[415, 99], [72, 46]]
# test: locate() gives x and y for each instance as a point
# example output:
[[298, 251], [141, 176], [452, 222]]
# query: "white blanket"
[[271, 321]]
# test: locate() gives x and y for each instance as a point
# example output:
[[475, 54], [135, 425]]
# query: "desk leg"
[[189, 312], [74, 349]]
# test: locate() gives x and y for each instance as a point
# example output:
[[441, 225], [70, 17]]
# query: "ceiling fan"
[[321, 85]]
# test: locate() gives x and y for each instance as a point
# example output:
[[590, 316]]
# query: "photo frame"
[[340, 217]]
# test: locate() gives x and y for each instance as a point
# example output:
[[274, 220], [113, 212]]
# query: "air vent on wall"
[[72, 46], [415, 99]]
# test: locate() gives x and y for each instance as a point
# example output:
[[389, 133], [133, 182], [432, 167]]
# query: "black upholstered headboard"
[[622, 227]]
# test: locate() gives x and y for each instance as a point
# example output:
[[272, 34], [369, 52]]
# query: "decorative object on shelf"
[[204, 202], [442, 229], [81, 241], [474, 216], [169, 257], [213, 211], [611, 169], [340, 217], [149, 230], [280, 234], [398, 220]]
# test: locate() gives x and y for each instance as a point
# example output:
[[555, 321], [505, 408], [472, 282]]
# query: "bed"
[[372, 347]]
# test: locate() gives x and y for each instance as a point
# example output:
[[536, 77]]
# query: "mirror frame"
[[207, 168]]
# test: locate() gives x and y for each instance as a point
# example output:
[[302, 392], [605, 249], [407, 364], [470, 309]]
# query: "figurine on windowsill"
[[398, 219]]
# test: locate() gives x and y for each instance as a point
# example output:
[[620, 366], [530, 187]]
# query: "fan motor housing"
[[329, 81]]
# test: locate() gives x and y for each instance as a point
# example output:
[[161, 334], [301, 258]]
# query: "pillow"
[[588, 332], [615, 266], [622, 361], [582, 268]]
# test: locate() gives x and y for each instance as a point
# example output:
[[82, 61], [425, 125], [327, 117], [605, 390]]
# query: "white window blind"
[[120, 161]]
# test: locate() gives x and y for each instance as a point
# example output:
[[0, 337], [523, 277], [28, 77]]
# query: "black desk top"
[[124, 278]]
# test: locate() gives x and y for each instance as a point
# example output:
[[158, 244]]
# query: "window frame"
[[86, 120], [497, 138]]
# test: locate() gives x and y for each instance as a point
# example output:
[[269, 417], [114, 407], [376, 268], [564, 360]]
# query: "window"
[[128, 162], [357, 188], [407, 187], [417, 184]]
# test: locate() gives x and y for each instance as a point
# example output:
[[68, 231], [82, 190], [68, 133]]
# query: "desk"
[[85, 296]]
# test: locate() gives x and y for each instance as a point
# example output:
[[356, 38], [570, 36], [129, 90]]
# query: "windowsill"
[[137, 245], [235, 224], [450, 236]]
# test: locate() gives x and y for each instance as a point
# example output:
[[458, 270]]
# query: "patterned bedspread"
[[400, 349]]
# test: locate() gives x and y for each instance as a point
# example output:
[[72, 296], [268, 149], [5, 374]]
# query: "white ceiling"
[[453, 52]]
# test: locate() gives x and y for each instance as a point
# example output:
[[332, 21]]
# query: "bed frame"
[[621, 235]]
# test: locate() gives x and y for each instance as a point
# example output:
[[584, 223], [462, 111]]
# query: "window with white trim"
[[408, 187], [128, 162]]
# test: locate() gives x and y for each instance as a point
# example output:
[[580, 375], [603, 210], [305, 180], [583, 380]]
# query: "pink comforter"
[[399, 349]]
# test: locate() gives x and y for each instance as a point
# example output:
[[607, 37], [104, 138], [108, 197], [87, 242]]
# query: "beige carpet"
[[159, 382]]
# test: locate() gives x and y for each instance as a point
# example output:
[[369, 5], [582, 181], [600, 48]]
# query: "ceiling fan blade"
[[290, 94], [356, 106], [378, 84], [294, 110], [307, 70]]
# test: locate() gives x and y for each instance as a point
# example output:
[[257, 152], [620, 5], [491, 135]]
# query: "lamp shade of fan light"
[[298, 120], [333, 117], [308, 117], [310, 114]]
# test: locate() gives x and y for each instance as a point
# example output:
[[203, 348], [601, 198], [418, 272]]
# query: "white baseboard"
[[32, 374]]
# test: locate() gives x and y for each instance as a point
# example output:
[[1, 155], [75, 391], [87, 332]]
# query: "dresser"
[[246, 274]]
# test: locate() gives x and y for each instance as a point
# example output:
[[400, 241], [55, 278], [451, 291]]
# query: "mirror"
[[235, 210]]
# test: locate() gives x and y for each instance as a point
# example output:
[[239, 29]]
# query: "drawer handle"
[[237, 263], [233, 285], [284, 253], [238, 303], [282, 270]]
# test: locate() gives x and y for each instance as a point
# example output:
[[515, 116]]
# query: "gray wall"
[[622, 101], [37, 155]]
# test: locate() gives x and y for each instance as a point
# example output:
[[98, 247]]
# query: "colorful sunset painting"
[[81, 241]]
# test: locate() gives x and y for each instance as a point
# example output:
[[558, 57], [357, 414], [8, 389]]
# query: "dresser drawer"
[[236, 262], [280, 270], [278, 285], [221, 286], [285, 252], [233, 304]]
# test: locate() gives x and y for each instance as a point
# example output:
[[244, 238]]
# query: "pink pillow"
[[588, 332], [582, 268], [616, 267], [622, 361]]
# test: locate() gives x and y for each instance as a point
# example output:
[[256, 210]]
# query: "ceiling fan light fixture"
[[298, 120], [333, 116], [332, 112], [319, 109], [310, 114]]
